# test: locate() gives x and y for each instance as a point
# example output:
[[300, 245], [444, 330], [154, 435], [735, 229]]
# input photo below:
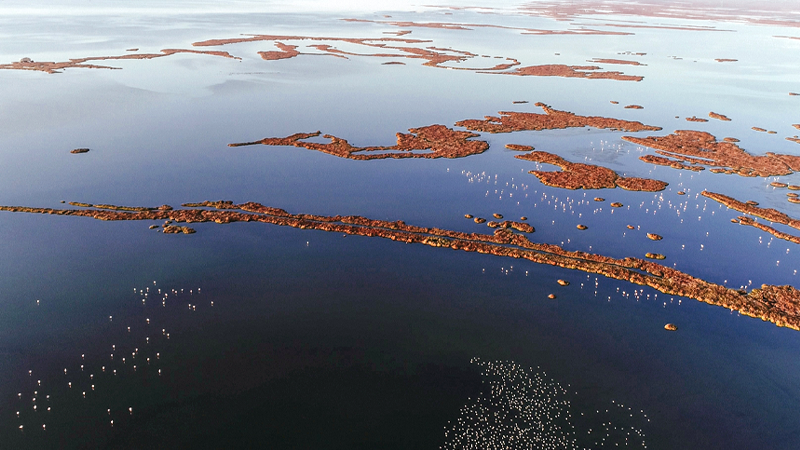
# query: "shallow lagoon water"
[[316, 340]]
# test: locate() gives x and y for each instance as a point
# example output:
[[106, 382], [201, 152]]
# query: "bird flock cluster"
[[91, 386], [702, 227], [523, 409]]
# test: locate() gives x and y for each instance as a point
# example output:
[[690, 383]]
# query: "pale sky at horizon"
[[790, 8]]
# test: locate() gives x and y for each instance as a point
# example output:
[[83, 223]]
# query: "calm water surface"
[[268, 337]]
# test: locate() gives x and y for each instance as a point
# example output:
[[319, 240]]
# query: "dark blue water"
[[364, 340]]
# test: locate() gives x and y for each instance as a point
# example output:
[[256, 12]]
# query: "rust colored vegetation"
[[616, 61], [701, 148], [284, 52], [777, 304], [563, 70], [553, 119], [433, 141], [586, 176], [56, 67], [722, 117], [769, 214]]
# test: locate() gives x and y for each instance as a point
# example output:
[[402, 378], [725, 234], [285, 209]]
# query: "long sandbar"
[[777, 304], [770, 214], [56, 67]]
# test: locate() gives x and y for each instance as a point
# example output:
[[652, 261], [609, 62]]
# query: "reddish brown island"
[[777, 304], [438, 141], [173, 229], [563, 70], [284, 52], [750, 208], [722, 117], [553, 119], [519, 148], [616, 61], [433, 141], [56, 67], [701, 148], [472, 26], [389, 47], [586, 176], [661, 161]]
